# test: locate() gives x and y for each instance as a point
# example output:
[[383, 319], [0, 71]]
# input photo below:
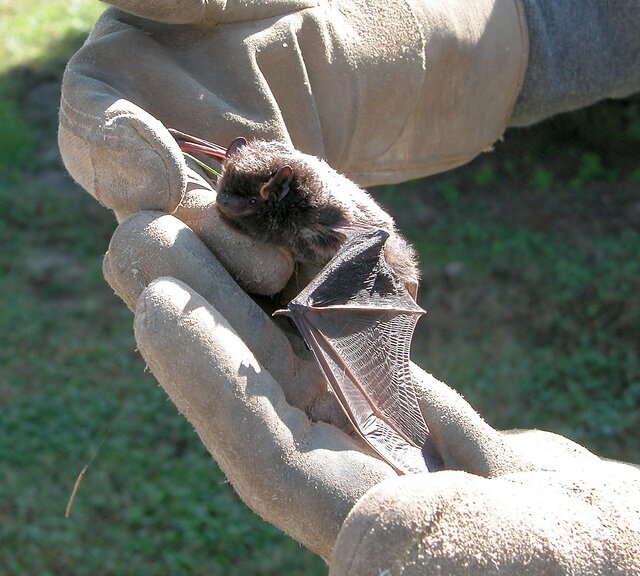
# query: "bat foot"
[[412, 288]]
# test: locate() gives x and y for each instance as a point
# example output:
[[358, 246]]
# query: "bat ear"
[[279, 184], [235, 146]]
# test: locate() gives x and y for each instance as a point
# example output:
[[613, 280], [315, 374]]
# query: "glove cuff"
[[474, 59]]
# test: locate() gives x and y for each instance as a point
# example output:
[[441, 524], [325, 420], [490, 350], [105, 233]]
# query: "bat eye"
[[252, 201]]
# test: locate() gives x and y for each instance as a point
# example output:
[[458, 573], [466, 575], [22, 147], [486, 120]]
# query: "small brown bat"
[[277, 194], [357, 318], [358, 315]]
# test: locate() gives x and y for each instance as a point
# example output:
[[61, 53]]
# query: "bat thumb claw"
[[282, 312]]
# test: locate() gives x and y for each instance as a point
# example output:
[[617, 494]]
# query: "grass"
[[531, 280]]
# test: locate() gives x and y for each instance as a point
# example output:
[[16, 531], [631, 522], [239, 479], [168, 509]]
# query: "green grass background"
[[531, 270]]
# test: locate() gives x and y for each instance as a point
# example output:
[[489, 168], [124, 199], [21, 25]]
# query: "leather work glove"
[[504, 503], [384, 90], [317, 75]]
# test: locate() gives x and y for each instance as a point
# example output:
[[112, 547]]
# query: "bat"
[[358, 314], [358, 320], [279, 195]]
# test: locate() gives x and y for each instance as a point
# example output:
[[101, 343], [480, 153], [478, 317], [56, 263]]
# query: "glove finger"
[[115, 150], [462, 438], [303, 477], [466, 442], [110, 143], [149, 245]]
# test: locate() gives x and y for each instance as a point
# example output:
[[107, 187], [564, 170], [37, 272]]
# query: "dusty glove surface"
[[260, 406], [583, 521], [425, 87]]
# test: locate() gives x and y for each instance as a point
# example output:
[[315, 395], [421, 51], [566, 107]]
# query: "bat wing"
[[358, 320], [189, 143]]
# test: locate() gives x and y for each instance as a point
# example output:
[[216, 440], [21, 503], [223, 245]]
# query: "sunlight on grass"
[[26, 35], [16, 142]]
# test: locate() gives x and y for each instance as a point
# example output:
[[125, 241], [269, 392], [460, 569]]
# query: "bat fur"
[[277, 194]]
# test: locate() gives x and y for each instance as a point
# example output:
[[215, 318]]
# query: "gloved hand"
[[509, 503], [317, 76], [384, 90]]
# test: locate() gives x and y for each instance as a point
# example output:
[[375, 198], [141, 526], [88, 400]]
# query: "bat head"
[[256, 188], [254, 177], [245, 195]]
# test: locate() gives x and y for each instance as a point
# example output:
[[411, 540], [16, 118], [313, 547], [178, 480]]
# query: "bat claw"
[[282, 312]]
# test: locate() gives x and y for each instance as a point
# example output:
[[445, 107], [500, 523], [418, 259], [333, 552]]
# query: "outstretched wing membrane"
[[358, 320]]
